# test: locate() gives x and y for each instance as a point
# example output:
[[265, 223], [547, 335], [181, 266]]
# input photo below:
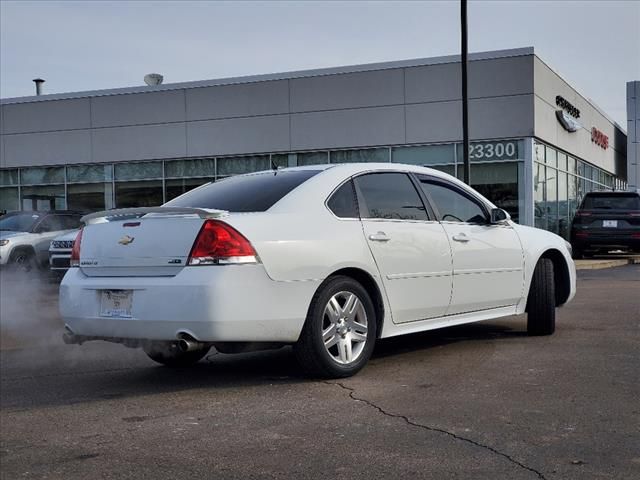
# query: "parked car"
[[327, 258], [60, 253], [606, 221], [25, 236]]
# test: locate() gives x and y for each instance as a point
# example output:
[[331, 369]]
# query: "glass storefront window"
[[424, 155], [9, 199], [356, 156], [450, 169], [499, 183], [563, 205], [562, 161], [312, 158], [138, 170], [89, 173], [539, 153], [239, 165], [552, 157], [580, 168], [9, 177], [176, 187], [551, 199], [50, 197], [539, 180], [283, 160], [139, 194], [571, 165], [90, 197], [41, 175], [198, 167]]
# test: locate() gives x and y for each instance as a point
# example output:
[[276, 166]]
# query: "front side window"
[[343, 202], [453, 205], [389, 196]]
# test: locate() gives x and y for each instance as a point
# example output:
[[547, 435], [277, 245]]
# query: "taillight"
[[75, 251], [583, 214], [219, 243]]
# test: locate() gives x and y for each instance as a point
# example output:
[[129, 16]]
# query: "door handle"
[[461, 237], [379, 237]]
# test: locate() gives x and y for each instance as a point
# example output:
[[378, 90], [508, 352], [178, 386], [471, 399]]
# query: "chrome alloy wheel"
[[344, 327]]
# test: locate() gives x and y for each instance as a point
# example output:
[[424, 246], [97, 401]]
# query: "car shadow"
[[103, 377]]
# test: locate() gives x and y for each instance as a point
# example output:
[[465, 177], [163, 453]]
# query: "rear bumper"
[[233, 303], [599, 239]]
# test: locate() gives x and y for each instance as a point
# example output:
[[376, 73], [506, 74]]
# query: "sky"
[[90, 45]]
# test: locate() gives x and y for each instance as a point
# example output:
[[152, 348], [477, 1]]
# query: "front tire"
[[339, 333], [23, 260], [170, 355], [541, 304]]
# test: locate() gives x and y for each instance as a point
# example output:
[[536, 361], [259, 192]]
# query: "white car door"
[[488, 262], [409, 245]]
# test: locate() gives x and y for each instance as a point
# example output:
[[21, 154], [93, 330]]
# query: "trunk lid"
[[140, 242]]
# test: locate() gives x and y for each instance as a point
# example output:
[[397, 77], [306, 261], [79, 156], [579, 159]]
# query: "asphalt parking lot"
[[482, 401]]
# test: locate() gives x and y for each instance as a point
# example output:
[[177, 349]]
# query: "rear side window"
[[343, 202], [246, 193], [620, 201], [389, 196]]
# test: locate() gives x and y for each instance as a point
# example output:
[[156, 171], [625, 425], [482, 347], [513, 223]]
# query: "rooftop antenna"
[[153, 79], [38, 82]]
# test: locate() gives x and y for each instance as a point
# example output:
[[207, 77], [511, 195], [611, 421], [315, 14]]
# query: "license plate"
[[116, 303], [610, 223]]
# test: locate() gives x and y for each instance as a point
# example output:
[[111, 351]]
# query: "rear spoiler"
[[140, 211]]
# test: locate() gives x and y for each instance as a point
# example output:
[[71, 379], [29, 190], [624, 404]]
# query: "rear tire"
[[170, 355], [541, 303], [340, 331]]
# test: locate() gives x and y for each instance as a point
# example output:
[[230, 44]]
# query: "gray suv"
[[25, 236]]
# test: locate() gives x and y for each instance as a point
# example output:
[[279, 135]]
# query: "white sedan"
[[325, 258]]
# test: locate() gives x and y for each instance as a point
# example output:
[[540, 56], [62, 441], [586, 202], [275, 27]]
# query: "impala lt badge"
[[126, 240]]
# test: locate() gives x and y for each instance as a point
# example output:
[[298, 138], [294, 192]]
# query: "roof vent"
[[152, 79], [38, 82]]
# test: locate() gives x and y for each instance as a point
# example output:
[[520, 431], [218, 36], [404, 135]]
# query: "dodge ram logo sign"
[[599, 138], [569, 123]]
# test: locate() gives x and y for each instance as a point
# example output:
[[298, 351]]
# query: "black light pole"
[[465, 93]]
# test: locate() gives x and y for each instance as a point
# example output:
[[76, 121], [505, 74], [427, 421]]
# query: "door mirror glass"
[[498, 215]]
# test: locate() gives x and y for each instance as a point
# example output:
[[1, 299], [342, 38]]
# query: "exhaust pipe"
[[189, 344]]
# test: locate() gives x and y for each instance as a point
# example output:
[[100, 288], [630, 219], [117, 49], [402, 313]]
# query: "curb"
[[600, 264]]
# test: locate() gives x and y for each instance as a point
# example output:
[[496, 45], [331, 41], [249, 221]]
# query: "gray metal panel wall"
[[347, 128], [50, 148], [387, 105], [349, 90], [138, 109], [46, 116], [139, 142], [633, 135], [242, 100], [238, 135]]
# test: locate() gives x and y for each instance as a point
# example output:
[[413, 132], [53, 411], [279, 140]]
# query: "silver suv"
[[25, 236], [60, 253]]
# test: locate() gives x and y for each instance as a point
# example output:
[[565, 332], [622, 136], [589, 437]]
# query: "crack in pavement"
[[352, 395]]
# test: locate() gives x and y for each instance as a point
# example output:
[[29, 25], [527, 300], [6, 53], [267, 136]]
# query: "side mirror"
[[498, 215]]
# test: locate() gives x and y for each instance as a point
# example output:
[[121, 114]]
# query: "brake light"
[[582, 234], [219, 243], [583, 214], [75, 251]]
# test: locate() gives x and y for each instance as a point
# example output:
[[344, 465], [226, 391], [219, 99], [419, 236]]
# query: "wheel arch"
[[371, 286], [561, 274], [22, 248]]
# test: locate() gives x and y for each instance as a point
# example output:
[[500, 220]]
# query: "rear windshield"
[[246, 193], [620, 201]]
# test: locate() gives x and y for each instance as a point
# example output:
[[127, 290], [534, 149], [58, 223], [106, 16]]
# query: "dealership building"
[[537, 145]]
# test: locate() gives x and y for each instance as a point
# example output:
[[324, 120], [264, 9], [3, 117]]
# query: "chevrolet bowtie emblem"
[[126, 240]]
